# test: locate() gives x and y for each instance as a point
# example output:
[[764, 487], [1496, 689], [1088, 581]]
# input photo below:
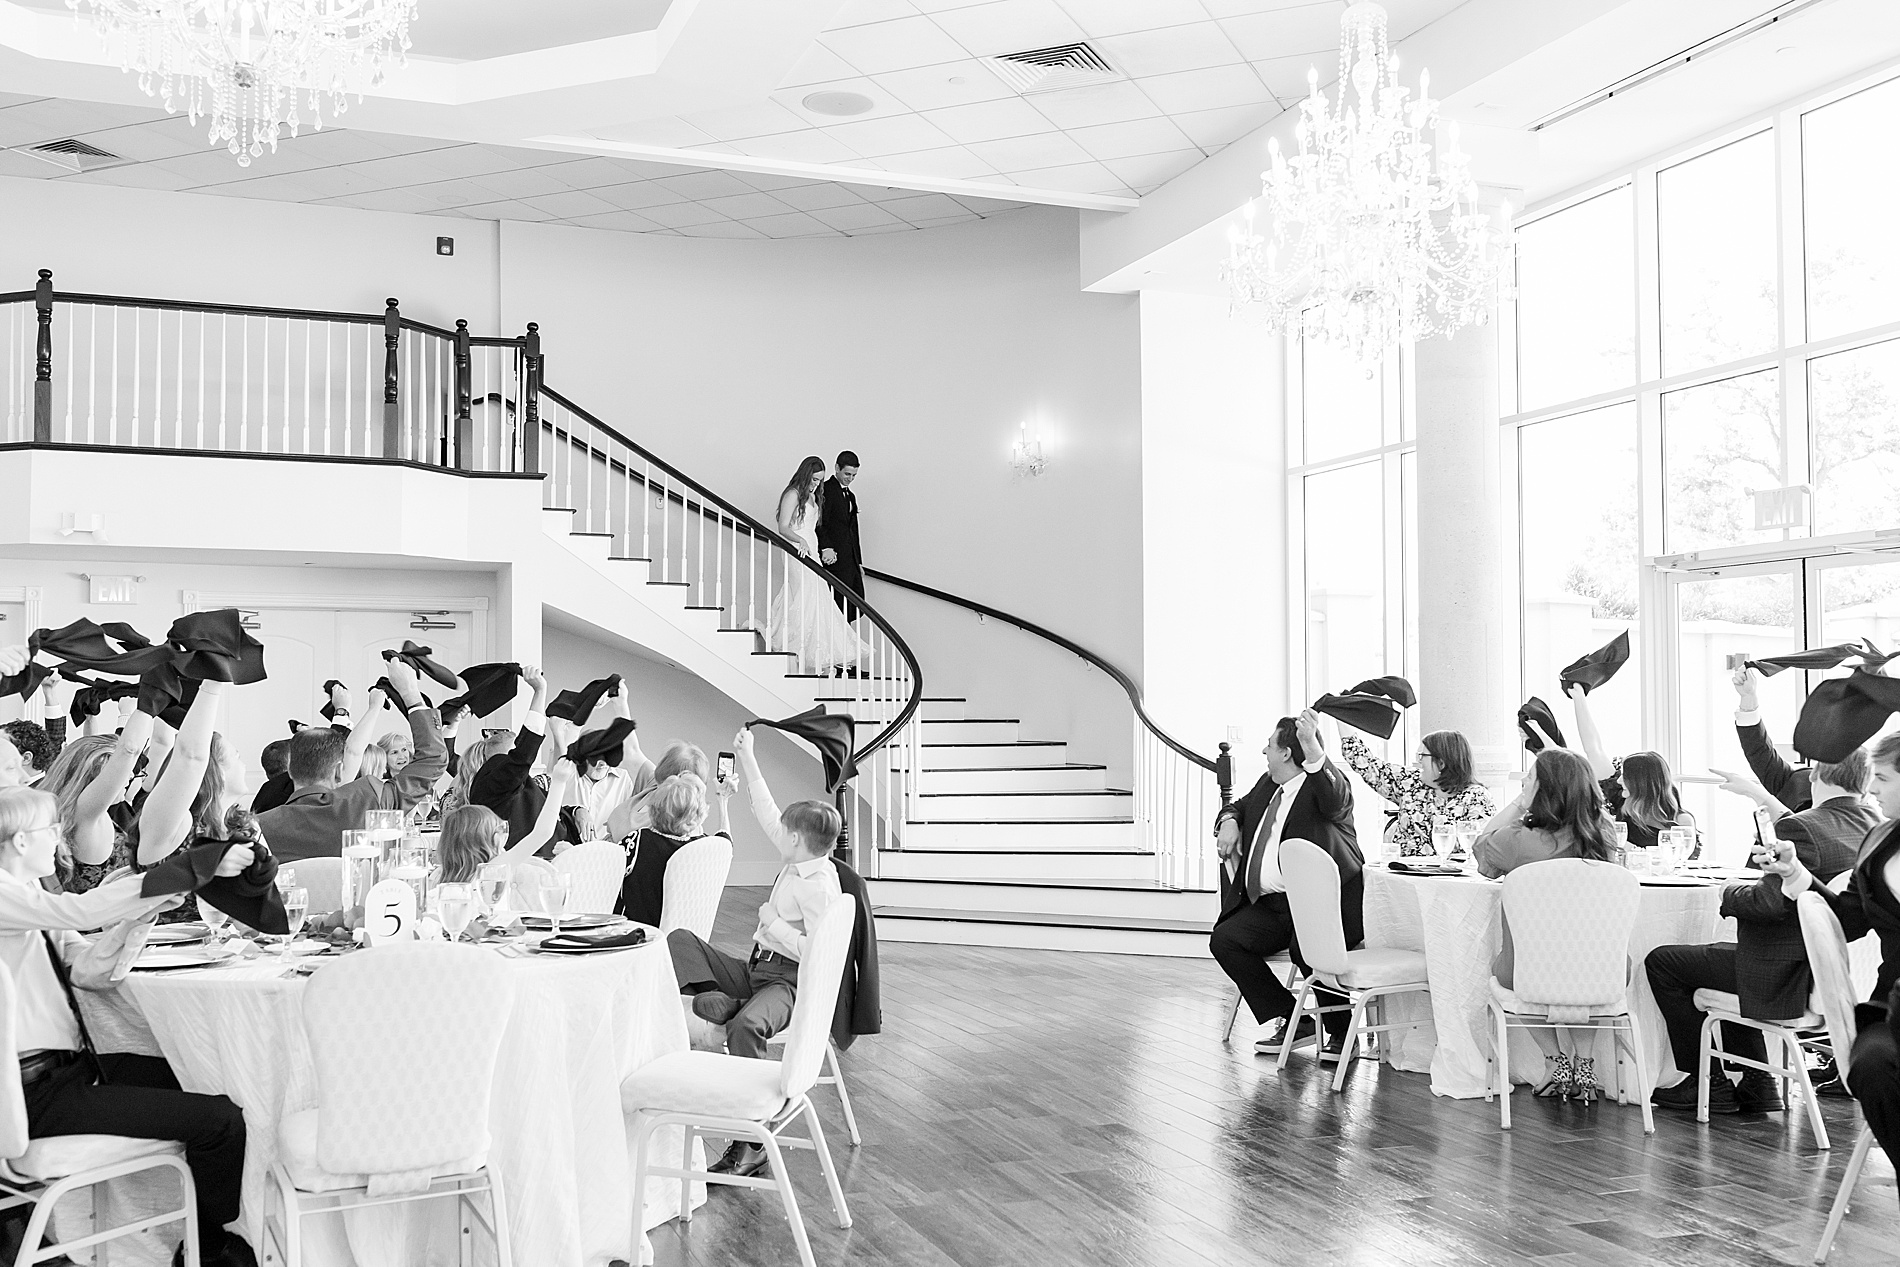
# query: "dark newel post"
[[464, 424], [43, 360], [392, 408], [531, 400], [843, 848], [1224, 775]]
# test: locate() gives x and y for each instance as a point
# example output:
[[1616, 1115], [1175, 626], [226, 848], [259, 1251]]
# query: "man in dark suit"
[[1302, 796], [1786, 783], [838, 547], [1766, 966]]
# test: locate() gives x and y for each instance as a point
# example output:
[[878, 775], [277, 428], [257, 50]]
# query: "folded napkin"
[[1422, 868], [597, 941], [251, 897], [418, 659], [94, 694]]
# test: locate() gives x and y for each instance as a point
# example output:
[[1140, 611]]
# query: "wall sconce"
[[1026, 457]]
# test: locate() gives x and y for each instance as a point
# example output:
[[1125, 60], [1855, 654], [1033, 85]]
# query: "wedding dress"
[[805, 619]]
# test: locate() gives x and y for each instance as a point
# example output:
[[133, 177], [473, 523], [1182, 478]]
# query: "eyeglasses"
[[1422, 755], [54, 827]]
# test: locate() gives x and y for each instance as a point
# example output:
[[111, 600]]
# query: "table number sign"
[[389, 912]]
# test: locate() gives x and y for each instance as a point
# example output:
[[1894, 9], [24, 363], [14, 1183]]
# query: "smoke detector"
[[1053, 69]]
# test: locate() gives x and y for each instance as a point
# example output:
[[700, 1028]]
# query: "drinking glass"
[[362, 867], [455, 903], [1442, 841], [555, 891], [296, 902], [494, 879], [214, 919]]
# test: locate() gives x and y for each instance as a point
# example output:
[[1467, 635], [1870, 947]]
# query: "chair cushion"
[[1508, 1000], [297, 1150], [56, 1156], [1382, 966], [711, 1084], [1729, 1006]]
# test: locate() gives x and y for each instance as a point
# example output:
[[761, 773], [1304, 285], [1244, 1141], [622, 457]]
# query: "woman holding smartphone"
[[678, 809]]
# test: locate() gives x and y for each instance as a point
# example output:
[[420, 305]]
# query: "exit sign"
[[1781, 507]]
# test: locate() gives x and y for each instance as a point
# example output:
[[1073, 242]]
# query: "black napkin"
[[490, 686], [86, 645], [1816, 659], [1598, 667], [578, 706], [1843, 713], [1406, 867], [25, 682], [1374, 714], [601, 745], [328, 710], [1393, 688], [598, 941], [1535, 717], [833, 734], [388, 689], [94, 695], [166, 695], [250, 897], [418, 659]]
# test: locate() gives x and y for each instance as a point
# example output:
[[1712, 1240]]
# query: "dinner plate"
[[570, 922], [1675, 881], [167, 960], [180, 934]]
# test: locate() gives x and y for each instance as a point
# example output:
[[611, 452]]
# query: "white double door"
[[306, 647]]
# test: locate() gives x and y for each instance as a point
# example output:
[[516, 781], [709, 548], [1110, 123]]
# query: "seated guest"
[[474, 835], [680, 757], [1557, 814], [753, 997], [277, 785], [498, 772], [1870, 903], [71, 1089], [36, 747], [1302, 796], [1638, 789], [610, 762], [1437, 789], [1766, 965], [89, 777], [1788, 784], [678, 809], [400, 765], [12, 764]]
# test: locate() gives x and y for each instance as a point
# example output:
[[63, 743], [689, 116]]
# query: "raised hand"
[[237, 859], [1746, 681], [13, 659], [1306, 726], [404, 679], [742, 742]]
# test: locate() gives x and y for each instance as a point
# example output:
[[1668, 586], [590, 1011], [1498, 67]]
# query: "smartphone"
[[1738, 660], [1764, 837], [722, 772]]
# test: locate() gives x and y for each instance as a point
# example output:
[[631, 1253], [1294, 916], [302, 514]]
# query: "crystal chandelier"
[[1372, 241], [245, 62]]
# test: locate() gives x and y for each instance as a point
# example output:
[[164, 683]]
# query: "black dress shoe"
[[741, 1160], [1758, 1093], [237, 1252], [1682, 1097], [1334, 1048], [715, 1006], [1270, 1042]]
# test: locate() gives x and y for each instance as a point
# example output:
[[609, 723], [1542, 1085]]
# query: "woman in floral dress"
[[1437, 789]]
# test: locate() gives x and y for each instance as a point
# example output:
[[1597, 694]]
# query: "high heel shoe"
[[1585, 1079], [1562, 1079]]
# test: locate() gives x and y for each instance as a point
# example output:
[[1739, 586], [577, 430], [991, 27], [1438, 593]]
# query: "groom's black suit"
[[838, 532], [1249, 930]]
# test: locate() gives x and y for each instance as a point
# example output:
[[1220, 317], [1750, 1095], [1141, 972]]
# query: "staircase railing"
[[167, 376], [729, 562], [1177, 791]]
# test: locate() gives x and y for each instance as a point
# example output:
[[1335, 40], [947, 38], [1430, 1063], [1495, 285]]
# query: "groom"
[[838, 531]]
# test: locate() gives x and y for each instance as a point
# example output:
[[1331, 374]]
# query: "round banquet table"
[[578, 1027], [1457, 922]]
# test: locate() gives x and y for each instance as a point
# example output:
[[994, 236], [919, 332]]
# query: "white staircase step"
[[989, 806], [1046, 778], [1049, 837], [1068, 896], [965, 756], [1024, 864], [883, 709], [1104, 935], [557, 521], [970, 730]]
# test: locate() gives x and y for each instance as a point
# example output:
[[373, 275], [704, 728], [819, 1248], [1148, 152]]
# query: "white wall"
[[1214, 526]]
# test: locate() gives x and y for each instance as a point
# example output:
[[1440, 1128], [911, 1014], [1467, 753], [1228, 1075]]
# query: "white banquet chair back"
[[1834, 991], [596, 868], [38, 1173], [1570, 921], [1312, 890], [819, 975], [322, 879], [525, 879], [695, 878]]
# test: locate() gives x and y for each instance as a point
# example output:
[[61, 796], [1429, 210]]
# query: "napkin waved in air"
[[1373, 706], [833, 734], [1593, 670]]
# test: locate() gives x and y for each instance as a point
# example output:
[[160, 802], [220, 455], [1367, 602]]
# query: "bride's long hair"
[[801, 483]]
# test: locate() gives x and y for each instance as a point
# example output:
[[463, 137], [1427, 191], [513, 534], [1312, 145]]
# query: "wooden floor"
[[1049, 1109]]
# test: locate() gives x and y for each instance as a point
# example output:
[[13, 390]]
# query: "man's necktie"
[[72, 1001], [1256, 860]]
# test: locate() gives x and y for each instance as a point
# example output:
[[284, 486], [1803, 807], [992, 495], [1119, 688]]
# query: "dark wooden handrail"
[[1122, 679], [757, 529]]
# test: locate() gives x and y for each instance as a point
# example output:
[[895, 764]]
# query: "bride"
[[805, 619]]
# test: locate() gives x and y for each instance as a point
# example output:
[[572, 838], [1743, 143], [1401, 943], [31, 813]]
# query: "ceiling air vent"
[[1053, 69], [74, 156]]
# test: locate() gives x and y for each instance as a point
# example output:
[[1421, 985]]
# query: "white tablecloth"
[[577, 1029], [1457, 923]]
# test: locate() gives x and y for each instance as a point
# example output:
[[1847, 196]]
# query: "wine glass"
[[555, 890], [456, 906], [214, 919], [296, 903], [494, 879]]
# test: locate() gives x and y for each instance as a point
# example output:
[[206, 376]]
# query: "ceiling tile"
[[883, 103], [455, 193], [953, 162], [523, 182], [134, 176], [965, 218], [1285, 77], [884, 46], [813, 197], [1108, 103], [940, 6], [759, 118], [624, 221], [859, 12], [584, 173], [880, 193], [1122, 140], [147, 141], [289, 186], [400, 170], [1151, 171], [874, 137], [17, 99], [951, 84], [720, 229], [746, 206], [680, 215], [798, 147], [875, 229], [1086, 178], [637, 196], [676, 134], [1009, 26], [818, 65], [707, 184], [215, 167], [1051, 149], [851, 219], [1171, 49], [1213, 129], [407, 201], [1302, 31], [644, 169], [54, 119], [1118, 17], [924, 207], [766, 182], [570, 204], [989, 120], [1206, 89], [795, 225], [1245, 8], [987, 206], [26, 167]]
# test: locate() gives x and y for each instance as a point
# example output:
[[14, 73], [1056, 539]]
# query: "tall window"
[[1576, 295]]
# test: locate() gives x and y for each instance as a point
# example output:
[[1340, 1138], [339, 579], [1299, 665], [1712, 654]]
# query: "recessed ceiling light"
[[957, 79], [841, 103]]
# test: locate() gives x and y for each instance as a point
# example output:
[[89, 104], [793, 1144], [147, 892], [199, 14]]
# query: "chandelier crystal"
[[247, 63], [1374, 239]]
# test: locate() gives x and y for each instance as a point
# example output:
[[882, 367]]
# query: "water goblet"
[[296, 904], [494, 879], [555, 892], [455, 904]]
